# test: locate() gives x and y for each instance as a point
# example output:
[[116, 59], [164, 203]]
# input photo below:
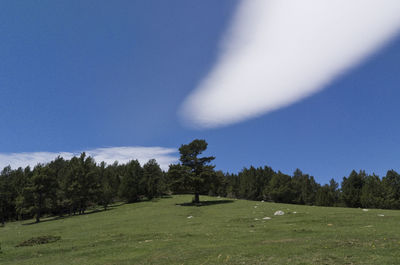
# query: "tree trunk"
[[38, 216], [196, 197], [39, 208]]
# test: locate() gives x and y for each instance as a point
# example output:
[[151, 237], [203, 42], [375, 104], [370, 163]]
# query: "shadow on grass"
[[156, 199], [205, 203], [97, 210], [55, 218], [144, 199]]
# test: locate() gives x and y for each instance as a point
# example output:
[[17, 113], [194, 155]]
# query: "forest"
[[70, 187]]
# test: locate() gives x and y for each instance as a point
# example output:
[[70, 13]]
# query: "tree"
[[5, 196], [218, 185], [59, 167], [130, 188], [153, 179], [178, 179], [328, 195], [69, 186], [198, 172], [233, 185], [279, 188], [81, 183], [304, 188], [105, 193], [372, 192], [391, 183], [23, 195], [352, 187], [88, 182], [248, 188], [41, 190], [8, 194]]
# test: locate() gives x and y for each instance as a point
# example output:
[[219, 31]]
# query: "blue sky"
[[84, 75]]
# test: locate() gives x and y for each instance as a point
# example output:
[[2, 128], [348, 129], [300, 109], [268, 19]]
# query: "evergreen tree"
[[233, 186], [12, 183], [304, 188], [391, 186], [218, 184], [59, 168], [130, 189], [88, 182], [153, 179], [279, 188], [5, 196], [179, 177], [40, 191], [372, 193], [352, 187], [328, 195], [105, 193], [22, 207], [81, 184], [248, 184], [198, 172]]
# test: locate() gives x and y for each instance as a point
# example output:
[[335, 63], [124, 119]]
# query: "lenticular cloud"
[[280, 51]]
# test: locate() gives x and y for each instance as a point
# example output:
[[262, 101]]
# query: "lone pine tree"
[[197, 171]]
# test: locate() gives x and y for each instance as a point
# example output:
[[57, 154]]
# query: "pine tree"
[[352, 187], [40, 191], [199, 173], [153, 179], [130, 188]]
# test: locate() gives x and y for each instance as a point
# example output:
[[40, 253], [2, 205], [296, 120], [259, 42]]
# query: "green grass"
[[159, 232]]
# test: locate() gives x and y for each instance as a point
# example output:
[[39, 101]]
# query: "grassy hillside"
[[221, 232]]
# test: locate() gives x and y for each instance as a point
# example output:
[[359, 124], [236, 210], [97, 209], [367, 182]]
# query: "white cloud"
[[280, 51], [164, 156]]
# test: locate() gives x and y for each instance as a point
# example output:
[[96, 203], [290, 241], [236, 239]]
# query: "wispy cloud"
[[280, 51], [164, 156]]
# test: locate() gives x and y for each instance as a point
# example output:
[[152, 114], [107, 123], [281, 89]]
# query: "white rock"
[[365, 210], [262, 201], [381, 215], [267, 218], [189, 217], [255, 206], [279, 213]]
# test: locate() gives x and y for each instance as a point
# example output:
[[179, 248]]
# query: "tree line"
[[359, 189], [70, 187]]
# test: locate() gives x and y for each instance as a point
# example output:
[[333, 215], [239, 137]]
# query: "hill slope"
[[221, 232]]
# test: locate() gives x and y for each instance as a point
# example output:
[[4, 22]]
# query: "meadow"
[[221, 231]]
